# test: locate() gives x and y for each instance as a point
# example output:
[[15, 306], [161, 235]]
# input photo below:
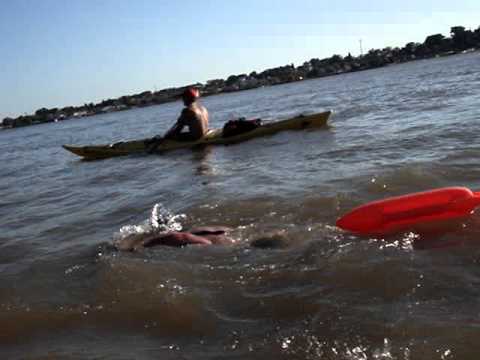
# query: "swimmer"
[[206, 235]]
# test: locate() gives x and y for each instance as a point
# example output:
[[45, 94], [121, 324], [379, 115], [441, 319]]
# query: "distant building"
[[80, 113]]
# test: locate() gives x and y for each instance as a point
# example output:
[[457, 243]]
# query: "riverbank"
[[437, 45]]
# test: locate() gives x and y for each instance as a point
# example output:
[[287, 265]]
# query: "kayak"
[[213, 137]]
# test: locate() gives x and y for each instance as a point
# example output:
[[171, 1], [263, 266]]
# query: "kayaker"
[[194, 116]]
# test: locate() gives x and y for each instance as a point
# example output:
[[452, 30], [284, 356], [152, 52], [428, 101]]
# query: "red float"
[[405, 212]]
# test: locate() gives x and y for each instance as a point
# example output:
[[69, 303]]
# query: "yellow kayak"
[[213, 137]]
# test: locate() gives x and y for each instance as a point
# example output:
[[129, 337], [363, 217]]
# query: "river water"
[[65, 292]]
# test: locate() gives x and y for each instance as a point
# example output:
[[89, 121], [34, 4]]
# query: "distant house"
[[80, 113], [247, 82], [107, 109], [214, 86]]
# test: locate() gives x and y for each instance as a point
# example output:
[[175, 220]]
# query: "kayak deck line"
[[213, 137]]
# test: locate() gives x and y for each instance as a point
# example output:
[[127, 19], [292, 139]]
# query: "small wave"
[[400, 181]]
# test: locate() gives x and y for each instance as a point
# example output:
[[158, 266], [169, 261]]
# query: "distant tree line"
[[460, 40]]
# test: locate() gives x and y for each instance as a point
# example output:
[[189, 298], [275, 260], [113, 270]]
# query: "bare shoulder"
[[203, 109], [186, 116], [216, 230]]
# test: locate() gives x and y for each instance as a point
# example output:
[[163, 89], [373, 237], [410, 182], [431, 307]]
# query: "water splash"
[[406, 242], [161, 220]]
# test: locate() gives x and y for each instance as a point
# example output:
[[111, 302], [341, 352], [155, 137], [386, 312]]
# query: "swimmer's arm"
[[175, 238]]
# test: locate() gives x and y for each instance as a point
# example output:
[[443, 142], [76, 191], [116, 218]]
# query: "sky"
[[56, 53]]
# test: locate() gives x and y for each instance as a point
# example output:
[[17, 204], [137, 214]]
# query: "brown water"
[[66, 293]]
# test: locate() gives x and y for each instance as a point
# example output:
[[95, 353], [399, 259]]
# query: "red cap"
[[191, 94]]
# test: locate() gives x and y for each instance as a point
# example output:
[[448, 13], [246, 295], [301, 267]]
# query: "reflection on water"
[[202, 158]]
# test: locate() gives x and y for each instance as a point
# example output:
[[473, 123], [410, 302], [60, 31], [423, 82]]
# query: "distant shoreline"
[[461, 41]]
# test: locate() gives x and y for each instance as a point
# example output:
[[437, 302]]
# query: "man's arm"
[[184, 120], [175, 129]]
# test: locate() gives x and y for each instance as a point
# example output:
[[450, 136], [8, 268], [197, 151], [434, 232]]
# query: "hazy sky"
[[55, 53]]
